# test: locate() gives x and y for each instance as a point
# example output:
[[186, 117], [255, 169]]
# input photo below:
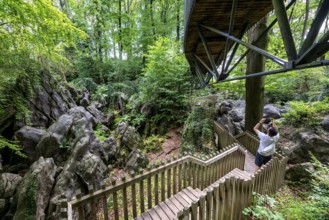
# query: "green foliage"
[[100, 133], [11, 145], [153, 143], [262, 208], [33, 37], [306, 114], [165, 83], [311, 204], [30, 196], [198, 133]]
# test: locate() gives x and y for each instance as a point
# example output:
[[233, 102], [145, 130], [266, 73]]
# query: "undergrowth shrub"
[[262, 208], [306, 114], [311, 204], [153, 143]]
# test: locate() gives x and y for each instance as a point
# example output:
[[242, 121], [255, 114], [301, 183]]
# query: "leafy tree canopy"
[[33, 36], [165, 83]]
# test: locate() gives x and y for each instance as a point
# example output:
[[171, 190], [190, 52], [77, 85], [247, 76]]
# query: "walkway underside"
[[214, 31]]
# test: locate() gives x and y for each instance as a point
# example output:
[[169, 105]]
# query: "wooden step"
[[169, 208]]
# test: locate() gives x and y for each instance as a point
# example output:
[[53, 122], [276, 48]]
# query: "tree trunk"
[[120, 32], [178, 21], [255, 86]]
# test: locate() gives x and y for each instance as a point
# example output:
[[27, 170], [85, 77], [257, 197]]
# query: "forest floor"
[[170, 146]]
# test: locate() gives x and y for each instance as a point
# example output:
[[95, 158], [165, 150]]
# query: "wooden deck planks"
[[146, 216], [161, 213], [167, 210]]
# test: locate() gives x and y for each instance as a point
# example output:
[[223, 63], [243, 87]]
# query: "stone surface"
[[300, 173], [308, 141], [110, 146], [128, 140], [325, 123], [8, 184], [34, 191], [29, 137], [48, 103], [270, 111]]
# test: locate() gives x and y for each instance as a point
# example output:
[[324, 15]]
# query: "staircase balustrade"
[[127, 198]]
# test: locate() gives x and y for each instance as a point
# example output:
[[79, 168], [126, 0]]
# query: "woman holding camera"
[[267, 143]]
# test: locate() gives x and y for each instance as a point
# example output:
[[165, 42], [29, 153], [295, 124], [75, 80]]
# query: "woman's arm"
[[274, 125], [256, 128]]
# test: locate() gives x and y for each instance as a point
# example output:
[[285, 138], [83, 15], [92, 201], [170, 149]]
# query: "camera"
[[267, 120]]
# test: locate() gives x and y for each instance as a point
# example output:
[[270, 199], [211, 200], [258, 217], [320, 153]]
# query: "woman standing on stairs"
[[266, 143]]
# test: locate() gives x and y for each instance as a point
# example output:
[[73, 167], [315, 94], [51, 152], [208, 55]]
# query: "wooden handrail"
[[184, 172], [183, 178]]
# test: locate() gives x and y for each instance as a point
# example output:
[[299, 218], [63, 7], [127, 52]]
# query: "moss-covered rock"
[[198, 134]]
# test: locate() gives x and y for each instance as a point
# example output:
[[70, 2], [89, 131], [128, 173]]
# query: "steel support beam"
[[260, 37], [204, 64], [317, 50], [198, 72], [236, 46], [210, 56], [298, 67], [287, 37], [323, 11], [278, 60], [233, 10]]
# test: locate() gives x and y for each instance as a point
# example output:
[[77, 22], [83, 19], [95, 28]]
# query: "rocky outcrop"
[[128, 141], [230, 114], [8, 185], [29, 137], [309, 141], [48, 103], [300, 173], [34, 191]]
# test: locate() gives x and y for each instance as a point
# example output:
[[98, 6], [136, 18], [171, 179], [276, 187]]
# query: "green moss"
[[198, 134], [30, 196]]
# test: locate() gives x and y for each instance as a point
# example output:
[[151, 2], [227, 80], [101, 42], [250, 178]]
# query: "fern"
[[11, 145]]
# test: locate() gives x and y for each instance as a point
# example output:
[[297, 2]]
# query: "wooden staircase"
[[173, 206], [216, 187]]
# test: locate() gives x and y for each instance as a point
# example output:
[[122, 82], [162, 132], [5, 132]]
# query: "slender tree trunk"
[[152, 18], [255, 86], [120, 32], [178, 21]]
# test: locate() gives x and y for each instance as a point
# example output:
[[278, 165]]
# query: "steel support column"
[[287, 37]]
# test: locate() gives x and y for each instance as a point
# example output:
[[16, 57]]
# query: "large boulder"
[[270, 111], [230, 114], [28, 138], [299, 173], [110, 146], [308, 141], [33, 193], [128, 140], [63, 136], [8, 184]]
